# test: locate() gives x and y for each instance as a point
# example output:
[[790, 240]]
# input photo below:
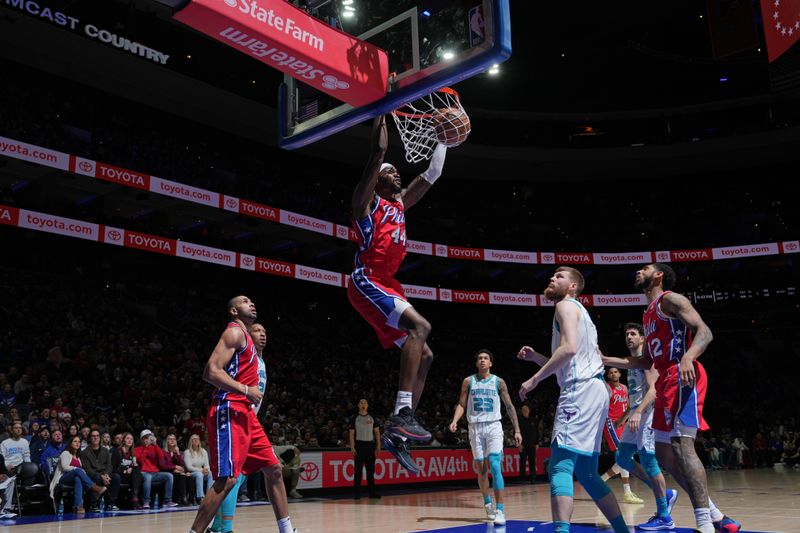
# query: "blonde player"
[[480, 397], [582, 404]]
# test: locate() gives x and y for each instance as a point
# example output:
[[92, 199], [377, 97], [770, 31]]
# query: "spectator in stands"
[[117, 441], [96, 461], [150, 457], [195, 458], [195, 424], [69, 472], [73, 431], [105, 441], [738, 447], [7, 496], [174, 463], [39, 443], [125, 464], [85, 431], [289, 457], [15, 449], [7, 397], [51, 453]]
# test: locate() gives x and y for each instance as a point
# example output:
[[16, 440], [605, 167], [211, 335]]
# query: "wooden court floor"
[[763, 500]]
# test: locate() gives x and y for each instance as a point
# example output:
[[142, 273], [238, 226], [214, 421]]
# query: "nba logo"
[[477, 32]]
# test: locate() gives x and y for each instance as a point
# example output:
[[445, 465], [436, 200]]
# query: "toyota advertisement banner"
[[335, 469]]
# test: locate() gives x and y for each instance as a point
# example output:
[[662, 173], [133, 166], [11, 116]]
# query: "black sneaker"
[[400, 451], [374, 496], [406, 425]]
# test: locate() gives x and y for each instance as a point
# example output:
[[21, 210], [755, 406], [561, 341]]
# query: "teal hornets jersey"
[[262, 382], [483, 399]]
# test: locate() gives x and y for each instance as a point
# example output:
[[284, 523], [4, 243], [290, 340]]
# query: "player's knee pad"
[[497, 471], [625, 454], [649, 463], [562, 467], [586, 472]]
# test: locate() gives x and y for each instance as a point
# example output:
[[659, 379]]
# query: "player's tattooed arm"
[[461, 406], [414, 192], [679, 306], [510, 409], [364, 193]]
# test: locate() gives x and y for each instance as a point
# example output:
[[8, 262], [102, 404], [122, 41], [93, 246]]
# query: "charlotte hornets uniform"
[[583, 402], [644, 438], [483, 415]]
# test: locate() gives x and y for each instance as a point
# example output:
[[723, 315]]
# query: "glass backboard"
[[430, 44]]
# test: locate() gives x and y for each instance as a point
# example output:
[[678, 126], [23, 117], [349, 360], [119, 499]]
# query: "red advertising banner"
[[336, 469], [286, 38]]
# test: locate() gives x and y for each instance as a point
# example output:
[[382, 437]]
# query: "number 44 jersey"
[[382, 238]]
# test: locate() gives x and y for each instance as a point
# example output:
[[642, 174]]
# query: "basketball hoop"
[[435, 118]]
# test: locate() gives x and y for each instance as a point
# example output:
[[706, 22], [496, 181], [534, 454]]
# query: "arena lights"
[[448, 55], [495, 70]]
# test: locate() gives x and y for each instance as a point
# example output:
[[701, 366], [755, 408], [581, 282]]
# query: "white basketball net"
[[416, 122]]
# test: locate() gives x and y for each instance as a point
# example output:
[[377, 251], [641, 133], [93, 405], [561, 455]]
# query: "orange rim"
[[417, 116]]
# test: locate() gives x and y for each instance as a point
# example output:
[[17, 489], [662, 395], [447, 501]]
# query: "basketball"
[[451, 126]]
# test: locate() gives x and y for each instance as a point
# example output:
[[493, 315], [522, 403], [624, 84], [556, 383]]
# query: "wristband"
[[246, 390]]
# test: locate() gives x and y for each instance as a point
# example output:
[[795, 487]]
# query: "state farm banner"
[[286, 38], [336, 469]]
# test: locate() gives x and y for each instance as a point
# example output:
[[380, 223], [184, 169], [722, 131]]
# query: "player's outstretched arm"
[[214, 372], [417, 188], [364, 192], [510, 410], [461, 406], [640, 363], [567, 316], [526, 353]]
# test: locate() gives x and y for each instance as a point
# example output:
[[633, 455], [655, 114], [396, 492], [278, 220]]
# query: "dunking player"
[[236, 441], [223, 521], [480, 397], [379, 205], [638, 436], [582, 404], [615, 425], [675, 336]]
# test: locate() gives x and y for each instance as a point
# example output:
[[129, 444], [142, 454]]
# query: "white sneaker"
[[499, 518], [490, 513], [7, 514]]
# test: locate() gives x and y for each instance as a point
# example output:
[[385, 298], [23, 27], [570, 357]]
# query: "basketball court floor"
[[763, 500]]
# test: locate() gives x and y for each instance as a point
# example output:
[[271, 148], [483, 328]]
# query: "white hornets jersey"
[[637, 388], [483, 399], [586, 363]]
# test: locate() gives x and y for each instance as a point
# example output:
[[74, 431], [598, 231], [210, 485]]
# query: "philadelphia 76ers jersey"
[[382, 238], [667, 338], [483, 400], [618, 403], [243, 367]]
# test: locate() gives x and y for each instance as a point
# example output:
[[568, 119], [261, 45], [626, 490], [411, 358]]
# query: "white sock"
[[626, 486], [703, 517], [403, 400], [623, 472], [716, 514], [616, 469], [285, 525], [605, 477]]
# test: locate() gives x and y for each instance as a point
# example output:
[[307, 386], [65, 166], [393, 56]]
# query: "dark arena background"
[[142, 186]]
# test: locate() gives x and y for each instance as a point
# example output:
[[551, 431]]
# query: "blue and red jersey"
[[381, 238]]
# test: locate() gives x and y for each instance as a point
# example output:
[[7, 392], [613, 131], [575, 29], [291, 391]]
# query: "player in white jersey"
[[223, 521], [582, 405], [638, 436], [480, 397]]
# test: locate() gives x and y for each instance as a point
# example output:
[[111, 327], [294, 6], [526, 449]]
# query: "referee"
[[365, 440]]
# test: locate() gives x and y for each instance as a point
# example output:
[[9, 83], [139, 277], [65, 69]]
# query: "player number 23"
[[399, 236], [482, 405]]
